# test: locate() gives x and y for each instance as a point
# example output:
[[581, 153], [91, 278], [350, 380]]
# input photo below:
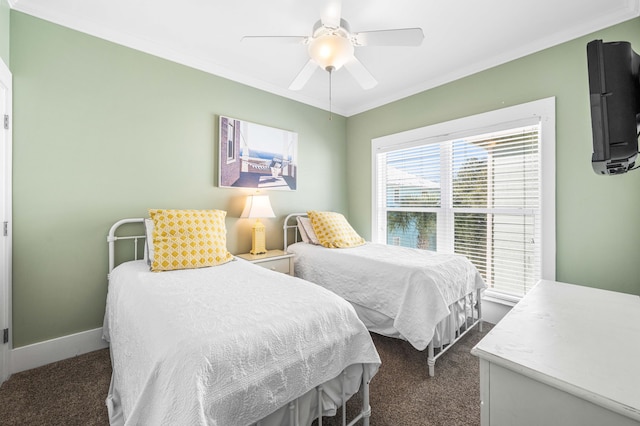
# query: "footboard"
[[465, 314], [296, 418]]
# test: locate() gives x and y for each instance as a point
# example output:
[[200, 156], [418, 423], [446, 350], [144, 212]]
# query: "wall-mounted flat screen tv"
[[614, 89]]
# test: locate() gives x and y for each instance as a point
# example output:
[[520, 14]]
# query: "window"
[[231, 140], [481, 186]]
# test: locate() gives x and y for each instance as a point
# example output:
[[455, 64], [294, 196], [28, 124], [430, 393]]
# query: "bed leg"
[[344, 398], [366, 408], [292, 413], [479, 302], [320, 408], [431, 361]]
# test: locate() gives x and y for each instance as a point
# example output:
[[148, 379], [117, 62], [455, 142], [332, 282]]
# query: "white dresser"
[[564, 355]]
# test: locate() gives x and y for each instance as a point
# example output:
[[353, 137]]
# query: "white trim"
[[547, 110], [503, 298], [542, 110], [6, 85], [49, 11], [607, 20], [43, 353]]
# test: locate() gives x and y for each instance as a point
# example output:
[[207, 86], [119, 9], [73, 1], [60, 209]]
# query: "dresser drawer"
[[279, 265], [276, 260]]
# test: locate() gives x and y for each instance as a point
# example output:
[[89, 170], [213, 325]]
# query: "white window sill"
[[500, 298]]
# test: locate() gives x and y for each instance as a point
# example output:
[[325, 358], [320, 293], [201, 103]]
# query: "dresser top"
[[582, 340]]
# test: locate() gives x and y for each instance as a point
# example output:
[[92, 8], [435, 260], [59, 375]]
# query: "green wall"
[[5, 14], [597, 217], [103, 132]]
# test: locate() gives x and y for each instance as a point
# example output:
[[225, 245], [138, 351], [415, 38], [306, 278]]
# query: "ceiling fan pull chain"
[[330, 95], [330, 70]]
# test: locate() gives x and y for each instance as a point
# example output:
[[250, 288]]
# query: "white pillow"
[[306, 224], [302, 232], [148, 233]]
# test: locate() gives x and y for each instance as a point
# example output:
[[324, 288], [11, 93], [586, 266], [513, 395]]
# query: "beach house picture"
[[256, 156]]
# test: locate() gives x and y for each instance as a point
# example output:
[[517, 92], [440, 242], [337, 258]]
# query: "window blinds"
[[478, 196]]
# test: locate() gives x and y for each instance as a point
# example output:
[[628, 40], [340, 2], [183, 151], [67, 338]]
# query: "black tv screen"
[[614, 89]]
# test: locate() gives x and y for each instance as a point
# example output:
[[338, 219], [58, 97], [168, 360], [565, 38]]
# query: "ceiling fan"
[[332, 44]]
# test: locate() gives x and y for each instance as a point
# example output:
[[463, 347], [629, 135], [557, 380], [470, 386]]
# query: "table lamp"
[[258, 206]]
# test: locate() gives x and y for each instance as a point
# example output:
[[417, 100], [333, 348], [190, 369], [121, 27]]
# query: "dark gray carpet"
[[402, 393], [73, 391], [70, 392]]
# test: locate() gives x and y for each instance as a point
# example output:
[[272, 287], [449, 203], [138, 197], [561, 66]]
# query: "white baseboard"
[[43, 353]]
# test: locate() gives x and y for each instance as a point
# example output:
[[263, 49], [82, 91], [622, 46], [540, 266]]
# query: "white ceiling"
[[462, 37]]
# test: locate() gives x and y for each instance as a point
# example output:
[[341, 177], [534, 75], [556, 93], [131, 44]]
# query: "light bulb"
[[330, 51]]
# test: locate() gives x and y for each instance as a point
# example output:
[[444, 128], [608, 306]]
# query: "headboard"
[[290, 229], [112, 238]]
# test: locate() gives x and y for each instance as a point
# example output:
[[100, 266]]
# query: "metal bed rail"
[[364, 415], [288, 227], [472, 311], [112, 238]]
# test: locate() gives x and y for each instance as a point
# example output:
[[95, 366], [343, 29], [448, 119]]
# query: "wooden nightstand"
[[276, 260]]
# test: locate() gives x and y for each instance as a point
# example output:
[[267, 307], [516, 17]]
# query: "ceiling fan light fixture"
[[331, 51], [331, 46]]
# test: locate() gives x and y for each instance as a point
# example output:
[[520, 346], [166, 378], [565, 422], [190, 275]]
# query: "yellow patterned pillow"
[[184, 239], [333, 230]]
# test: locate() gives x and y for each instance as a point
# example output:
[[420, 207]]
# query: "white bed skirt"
[[379, 323], [305, 407]]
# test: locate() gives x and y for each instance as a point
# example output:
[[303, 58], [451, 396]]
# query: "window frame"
[[542, 111], [231, 155]]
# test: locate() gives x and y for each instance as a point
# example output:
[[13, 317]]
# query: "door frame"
[[6, 83]]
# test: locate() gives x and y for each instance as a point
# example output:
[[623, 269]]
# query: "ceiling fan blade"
[[331, 13], [400, 37], [360, 73], [275, 39], [303, 76]]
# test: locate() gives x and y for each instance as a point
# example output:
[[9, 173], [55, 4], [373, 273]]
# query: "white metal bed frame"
[[293, 406], [472, 303]]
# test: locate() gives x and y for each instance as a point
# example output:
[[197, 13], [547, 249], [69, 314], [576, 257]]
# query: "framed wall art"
[[255, 156]]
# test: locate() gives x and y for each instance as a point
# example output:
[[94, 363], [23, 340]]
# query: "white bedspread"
[[413, 287], [225, 345]]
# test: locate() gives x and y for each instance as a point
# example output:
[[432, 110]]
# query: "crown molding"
[[46, 10]]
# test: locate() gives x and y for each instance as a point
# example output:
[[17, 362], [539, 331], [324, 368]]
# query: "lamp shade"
[[257, 206], [330, 51]]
